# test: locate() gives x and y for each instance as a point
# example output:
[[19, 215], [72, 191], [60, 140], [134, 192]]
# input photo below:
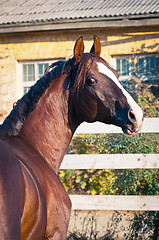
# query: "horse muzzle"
[[134, 123]]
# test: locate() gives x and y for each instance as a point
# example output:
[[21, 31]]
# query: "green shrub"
[[112, 181]]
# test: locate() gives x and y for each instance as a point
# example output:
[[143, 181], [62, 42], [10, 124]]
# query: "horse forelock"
[[15, 120], [81, 72], [83, 66]]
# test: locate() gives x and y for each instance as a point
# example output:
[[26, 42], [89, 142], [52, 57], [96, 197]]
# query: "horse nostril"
[[131, 116]]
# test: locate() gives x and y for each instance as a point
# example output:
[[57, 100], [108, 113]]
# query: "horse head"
[[96, 93]]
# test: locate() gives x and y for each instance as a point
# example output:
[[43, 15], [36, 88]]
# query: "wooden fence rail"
[[110, 161], [113, 161]]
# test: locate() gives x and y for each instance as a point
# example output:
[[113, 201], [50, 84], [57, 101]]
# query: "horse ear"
[[96, 48], [78, 48]]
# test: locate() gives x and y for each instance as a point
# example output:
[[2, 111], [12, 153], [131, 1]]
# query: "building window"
[[122, 67], [144, 67], [30, 72]]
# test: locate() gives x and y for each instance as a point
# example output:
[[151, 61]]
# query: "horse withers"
[[36, 134]]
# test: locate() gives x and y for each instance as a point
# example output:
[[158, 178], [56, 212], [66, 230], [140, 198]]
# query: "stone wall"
[[17, 47]]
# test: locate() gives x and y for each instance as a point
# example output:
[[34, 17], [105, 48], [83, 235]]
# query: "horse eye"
[[90, 80]]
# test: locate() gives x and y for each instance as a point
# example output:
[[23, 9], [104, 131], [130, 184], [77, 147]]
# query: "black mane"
[[14, 121], [75, 79]]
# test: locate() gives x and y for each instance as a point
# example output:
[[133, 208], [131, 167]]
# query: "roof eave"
[[82, 23]]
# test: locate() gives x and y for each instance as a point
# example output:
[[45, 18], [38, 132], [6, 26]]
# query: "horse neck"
[[47, 128]]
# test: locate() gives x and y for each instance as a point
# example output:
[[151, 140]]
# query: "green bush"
[[149, 101], [114, 143], [128, 182]]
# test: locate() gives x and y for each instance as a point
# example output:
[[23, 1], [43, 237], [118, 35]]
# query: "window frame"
[[22, 83], [129, 56]]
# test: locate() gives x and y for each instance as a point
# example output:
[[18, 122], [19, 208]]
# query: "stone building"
[[35, 33]]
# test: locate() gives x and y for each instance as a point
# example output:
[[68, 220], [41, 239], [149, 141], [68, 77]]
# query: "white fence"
[[113, 161]]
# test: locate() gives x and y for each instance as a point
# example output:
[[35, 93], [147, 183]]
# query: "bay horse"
[[36, 134]]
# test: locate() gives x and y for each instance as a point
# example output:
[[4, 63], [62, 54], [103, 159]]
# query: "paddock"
[[97, 210]]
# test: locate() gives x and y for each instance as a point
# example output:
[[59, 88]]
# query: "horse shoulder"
[[33, 221], [42, 188], [32, 211]]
